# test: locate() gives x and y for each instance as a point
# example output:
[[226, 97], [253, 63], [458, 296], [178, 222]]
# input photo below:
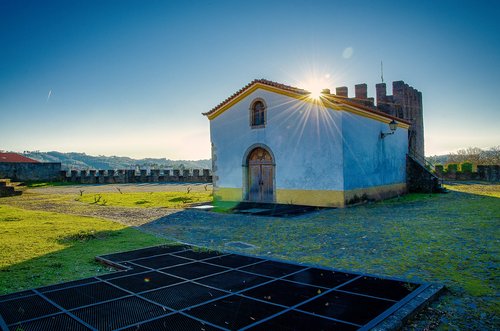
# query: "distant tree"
[[492, 156], [469, 154]]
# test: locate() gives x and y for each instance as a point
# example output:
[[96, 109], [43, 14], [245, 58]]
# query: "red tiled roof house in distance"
[[14, 157], [21, 168]]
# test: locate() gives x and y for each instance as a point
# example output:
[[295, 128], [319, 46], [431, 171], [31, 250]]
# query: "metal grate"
[[67, 284], [284, 293], [16, 295], [85, 295], [233, 281], [321, 277], [233, 260], [192, 289], [234, 312], [199, 254], [56, 322], [273, 269], [347, 307], [382, 288], [173, 322], [161, 261], [144, 252], [16, 310], [135, 269], [194, 270], [183, 295], [145, 281], [119, 313], [294, 320]]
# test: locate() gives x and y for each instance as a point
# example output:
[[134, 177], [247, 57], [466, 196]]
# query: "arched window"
[[258, 114]]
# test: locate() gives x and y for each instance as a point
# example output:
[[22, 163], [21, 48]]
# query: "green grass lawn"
[[40, 248]]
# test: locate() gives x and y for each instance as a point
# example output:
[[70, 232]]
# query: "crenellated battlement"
[[139, 176], [405, 103]]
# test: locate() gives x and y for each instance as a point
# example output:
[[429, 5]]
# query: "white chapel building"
[[275, 143]]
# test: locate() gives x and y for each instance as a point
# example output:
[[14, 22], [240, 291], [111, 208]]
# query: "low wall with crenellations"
[[489, 173], [133, 176]]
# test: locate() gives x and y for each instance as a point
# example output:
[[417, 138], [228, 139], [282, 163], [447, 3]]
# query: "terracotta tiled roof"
[[13, 157], [249, 85]]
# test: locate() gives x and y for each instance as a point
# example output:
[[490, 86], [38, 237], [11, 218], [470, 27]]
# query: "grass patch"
[[485, 189], [146, 199], [41, 248]]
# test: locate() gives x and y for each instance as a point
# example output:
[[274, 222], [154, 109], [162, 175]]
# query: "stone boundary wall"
[[27, 171], [132, 176], [488, 173]]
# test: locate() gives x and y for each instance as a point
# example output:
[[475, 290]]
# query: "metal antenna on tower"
[[382, 71]]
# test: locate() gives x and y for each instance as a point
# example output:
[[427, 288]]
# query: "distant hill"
[[438, 159], [82, 161]]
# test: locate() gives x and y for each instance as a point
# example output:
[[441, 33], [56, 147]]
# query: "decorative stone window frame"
[[251, 110]]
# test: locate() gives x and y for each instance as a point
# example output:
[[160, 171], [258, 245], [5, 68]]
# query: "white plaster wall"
[[305, 140], [369, 160]]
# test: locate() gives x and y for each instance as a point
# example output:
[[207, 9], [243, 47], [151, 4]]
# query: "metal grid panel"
[[145, 281], [283, 292], [347, 307], [16, 295], [234, 312], [297, 321], [173, 322], [161, 261], [316, 297], [234, 261], [233, 281], [67, 284], [198, 254], [273, 269], [135, 269], [119, 313], [321, 277], [194, 270], [85, 295], [144, 252], [183, 295], [378, 287], [56, 322], [22, 309]]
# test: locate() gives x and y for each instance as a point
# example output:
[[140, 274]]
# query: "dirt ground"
[[103, 188], [49, 199]]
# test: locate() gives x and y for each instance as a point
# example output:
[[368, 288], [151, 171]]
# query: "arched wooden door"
[[260, 176]]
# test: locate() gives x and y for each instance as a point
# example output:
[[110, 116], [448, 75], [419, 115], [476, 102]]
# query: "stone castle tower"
[[405, 103]]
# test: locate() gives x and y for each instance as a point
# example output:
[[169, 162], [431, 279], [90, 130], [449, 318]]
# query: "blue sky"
[[132, 78]]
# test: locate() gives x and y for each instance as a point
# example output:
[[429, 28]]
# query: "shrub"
[[452, 167], [466, 167], [438, 168]]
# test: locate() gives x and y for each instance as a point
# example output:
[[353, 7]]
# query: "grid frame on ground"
[[154, 290]]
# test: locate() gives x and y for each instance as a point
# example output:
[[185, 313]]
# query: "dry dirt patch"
[[59, 199]]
